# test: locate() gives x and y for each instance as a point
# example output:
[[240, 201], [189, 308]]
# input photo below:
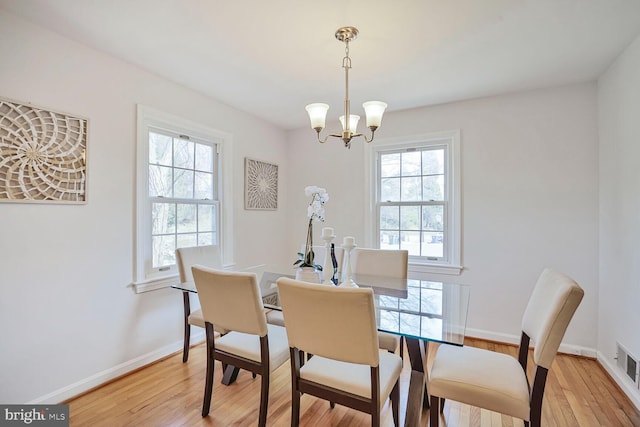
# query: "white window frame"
[[147, 278], [451, 262]]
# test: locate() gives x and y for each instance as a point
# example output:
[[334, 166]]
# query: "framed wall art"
[[43, 155], [260, 185]]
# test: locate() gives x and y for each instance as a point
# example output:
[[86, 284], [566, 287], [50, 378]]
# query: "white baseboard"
[[515, 339], [627, 386], [86, 384]]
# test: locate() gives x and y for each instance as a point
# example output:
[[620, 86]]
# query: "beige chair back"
[[208, 256], [380, 262], [336, 323], [553, 302], [230, 300]]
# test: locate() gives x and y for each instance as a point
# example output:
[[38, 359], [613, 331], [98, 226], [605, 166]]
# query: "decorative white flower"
[[315, 211]]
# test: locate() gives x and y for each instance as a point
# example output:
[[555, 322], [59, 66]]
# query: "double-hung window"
[[182, 194], [416, 200], [179, 193]]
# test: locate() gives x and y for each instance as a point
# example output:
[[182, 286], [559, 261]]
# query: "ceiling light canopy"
[[372, 109]]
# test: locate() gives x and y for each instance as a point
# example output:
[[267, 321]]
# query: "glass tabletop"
[[427, 310]]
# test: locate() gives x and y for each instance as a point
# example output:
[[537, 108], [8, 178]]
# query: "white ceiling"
[[271, 58]]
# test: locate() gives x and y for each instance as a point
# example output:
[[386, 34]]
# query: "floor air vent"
[[627, 363]]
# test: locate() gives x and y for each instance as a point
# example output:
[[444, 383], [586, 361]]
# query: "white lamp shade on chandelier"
[[353, 123], [372, 109], [317, 114]]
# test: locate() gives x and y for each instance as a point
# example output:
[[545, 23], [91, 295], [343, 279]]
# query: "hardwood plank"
[[169, 393]]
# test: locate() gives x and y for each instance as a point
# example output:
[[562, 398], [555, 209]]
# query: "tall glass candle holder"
[[327, 236], [348, 244]]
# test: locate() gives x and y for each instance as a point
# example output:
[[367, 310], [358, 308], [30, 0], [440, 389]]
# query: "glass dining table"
[[421, 311]]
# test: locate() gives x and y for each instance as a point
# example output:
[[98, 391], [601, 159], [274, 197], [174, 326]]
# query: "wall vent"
[[627, 363]]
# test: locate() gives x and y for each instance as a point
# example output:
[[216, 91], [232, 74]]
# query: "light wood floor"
[[169, 393]]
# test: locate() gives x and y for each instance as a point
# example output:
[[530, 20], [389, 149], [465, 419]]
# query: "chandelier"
[[373, 109]]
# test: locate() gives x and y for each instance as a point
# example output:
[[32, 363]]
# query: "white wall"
[[529, 190], [68, 319], [619, 134]]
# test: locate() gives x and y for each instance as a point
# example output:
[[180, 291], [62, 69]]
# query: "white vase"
[[308, 274]]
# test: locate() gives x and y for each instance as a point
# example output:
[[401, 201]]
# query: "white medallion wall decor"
[[43, 155], [260, 185]]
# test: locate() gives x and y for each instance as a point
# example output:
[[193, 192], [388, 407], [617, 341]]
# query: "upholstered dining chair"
[[497, 381], [275, 316], [382, 263], [186, 257], [337, 326], [232, 301]]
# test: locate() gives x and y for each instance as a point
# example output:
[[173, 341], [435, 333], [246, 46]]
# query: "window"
[[179, 194], [414, 195], [182, 175]]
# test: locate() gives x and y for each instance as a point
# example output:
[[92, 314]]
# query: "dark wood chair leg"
[[375, 419], [434, 415], [332, 404], [264, 399], [208, 386], [187, 341], [402, 349], [395, 403], [442, 399], [537, 394], [297, 359], [187, 327]]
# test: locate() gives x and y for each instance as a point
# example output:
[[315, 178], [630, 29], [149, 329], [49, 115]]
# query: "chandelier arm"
[[321, 141], [373, 131]]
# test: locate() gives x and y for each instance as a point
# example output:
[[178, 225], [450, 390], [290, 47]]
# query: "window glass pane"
[[413, 301], [390, 321], [203, 186], [410, 240], [410, 217], [411, 163], [389, 240], [206, 218], [183, 155], [183, 184], [204, 158], [164, 250], [163, 217], [431, 326], [205, 239], [159, 181], [186, 218], [389, 217], [159, 149], [431, 301], [432, 218], [433, 162], [390, 189], [410, 323], [187, 240], [432, 244], [411, 189], [390, 165], [433, 187]]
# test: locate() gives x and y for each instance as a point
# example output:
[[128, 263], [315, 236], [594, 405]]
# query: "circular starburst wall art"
[[260, 185], [42, 155]]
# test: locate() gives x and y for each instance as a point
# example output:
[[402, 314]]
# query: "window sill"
[[453, 270], [155, 284]]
